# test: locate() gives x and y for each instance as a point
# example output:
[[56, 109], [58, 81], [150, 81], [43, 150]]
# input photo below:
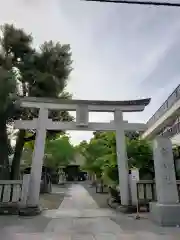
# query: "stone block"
[[166, 187], [165, 214], [30, 211], [9, 209]]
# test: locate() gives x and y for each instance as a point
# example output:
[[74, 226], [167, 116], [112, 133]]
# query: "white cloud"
[[119, 51]]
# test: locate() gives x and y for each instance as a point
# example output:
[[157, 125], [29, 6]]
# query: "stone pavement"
[[79, 218]]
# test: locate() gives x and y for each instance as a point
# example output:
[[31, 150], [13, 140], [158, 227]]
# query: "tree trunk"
[[4, 160], [15, 168]]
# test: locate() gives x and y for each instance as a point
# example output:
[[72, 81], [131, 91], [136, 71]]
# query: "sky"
[[119, 52]]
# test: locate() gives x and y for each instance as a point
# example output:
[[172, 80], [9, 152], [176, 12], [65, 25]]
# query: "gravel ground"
[[11, 224], [99, 198], [54, 199]]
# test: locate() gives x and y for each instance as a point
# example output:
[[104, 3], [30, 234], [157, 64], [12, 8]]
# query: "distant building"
[[73, 170]]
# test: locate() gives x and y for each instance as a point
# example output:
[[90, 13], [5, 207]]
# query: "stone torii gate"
[[82, 108]]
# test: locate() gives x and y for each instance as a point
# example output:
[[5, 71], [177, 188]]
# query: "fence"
[[10, 191], [101, 187], [146, 192]]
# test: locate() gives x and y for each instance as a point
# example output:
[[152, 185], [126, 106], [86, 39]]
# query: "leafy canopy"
[[101, 158], [40, 72], [59, 152]]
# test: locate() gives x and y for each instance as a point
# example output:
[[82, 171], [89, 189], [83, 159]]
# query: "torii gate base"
[[82, 108]]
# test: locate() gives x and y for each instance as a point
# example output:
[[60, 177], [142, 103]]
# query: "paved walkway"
[[78, 218]]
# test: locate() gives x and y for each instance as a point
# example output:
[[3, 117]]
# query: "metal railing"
[[172, 131], [174, 97], [10, 191]]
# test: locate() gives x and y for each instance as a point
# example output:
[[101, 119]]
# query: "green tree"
[[42, 73], [139, 152], [101, 158], [96, 153], [59, 152], [7, 100]]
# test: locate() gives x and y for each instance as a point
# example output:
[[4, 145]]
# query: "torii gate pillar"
[[122, 158], [37, 159]]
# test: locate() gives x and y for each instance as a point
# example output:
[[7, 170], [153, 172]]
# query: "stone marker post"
[[166, 211]]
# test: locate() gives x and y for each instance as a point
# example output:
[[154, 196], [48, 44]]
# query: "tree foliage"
[[99, 153], [59, 152], [7, 102], [40, 72], [101, 158], [140, 155]]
